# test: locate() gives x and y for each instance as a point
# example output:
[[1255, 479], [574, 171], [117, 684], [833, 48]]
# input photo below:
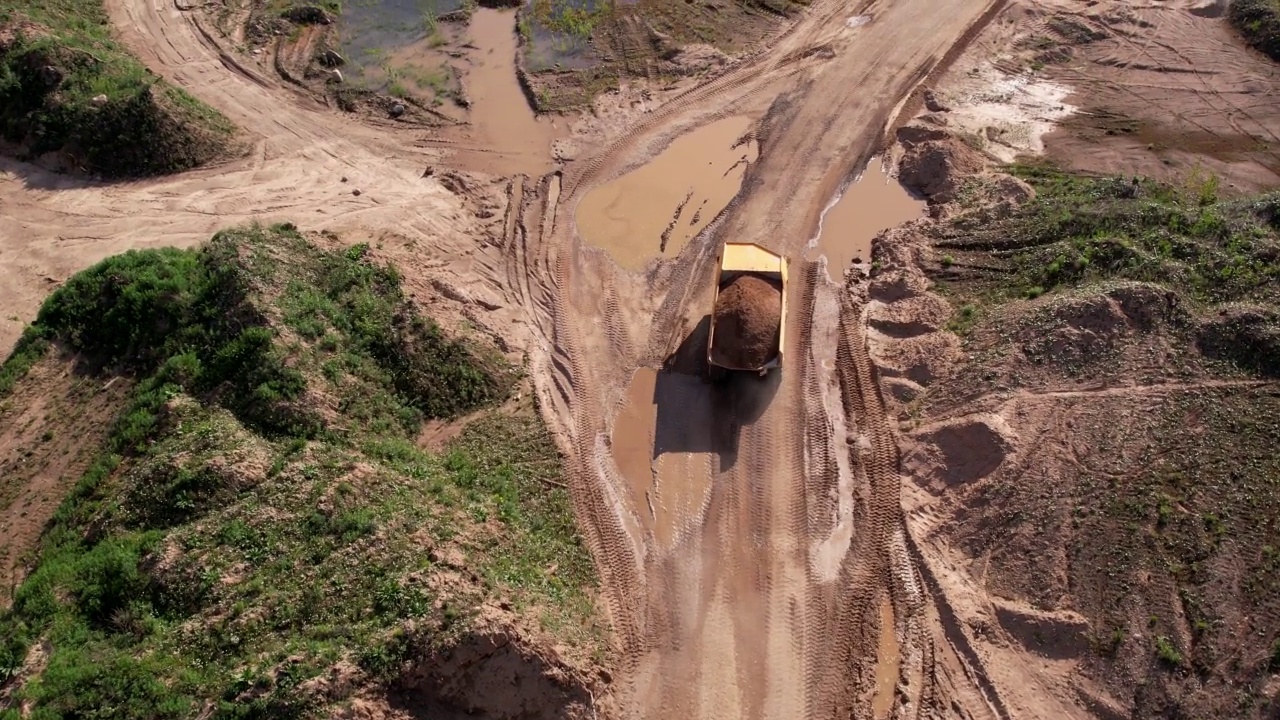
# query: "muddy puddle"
[[505, 135], [662, 445], [872, 204], [888, 658], [651, 212]]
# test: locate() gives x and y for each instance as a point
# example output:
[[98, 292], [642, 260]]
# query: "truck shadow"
[[695, 415]]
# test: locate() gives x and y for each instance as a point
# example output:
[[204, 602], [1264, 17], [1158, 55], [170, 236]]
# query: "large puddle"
[[662, 443], [888, 657], [506, 135], [651, 212], [873, 204]]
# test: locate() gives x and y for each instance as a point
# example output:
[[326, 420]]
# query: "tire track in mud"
[[749, 629]]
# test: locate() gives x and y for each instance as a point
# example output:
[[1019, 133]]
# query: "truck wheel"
[[716, 374]]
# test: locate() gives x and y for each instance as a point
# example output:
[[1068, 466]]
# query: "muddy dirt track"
[[754, 565], [749, 561]]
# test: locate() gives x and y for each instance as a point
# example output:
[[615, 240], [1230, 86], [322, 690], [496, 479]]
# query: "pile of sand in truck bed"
[[747, 317]]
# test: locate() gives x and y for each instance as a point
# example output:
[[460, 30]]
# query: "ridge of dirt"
[[1036, 422], [53, 421]]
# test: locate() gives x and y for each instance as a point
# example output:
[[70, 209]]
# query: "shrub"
[[97, 681], [1259, 22]]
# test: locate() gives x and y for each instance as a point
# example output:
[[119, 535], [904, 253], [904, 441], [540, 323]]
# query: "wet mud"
[[664, 441], [871, 205], [652, 212]]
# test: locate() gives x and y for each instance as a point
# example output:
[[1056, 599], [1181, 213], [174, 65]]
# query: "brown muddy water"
[[505, 136], [661, 441], [652, 212], [888, 657], [871, 205]]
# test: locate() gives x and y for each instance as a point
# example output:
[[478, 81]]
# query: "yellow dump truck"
[[742, 336]]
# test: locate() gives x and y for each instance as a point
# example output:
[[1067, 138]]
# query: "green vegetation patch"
[[66, 86], [1219, 257], [261, 517], [1259, 22]]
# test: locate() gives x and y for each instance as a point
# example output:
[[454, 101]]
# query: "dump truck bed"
[[748, 258]]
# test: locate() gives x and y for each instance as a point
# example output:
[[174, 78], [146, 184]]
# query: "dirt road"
[[753, 567], [749, 560]]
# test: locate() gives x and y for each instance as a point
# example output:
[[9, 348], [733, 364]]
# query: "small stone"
[[331, 58], [356, 192], [932, 102], [257, 51], [99, 100], [337, 76], [344, 178], [397, 110]]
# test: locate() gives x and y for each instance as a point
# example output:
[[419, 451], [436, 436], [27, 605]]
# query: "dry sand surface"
[[750, 537]]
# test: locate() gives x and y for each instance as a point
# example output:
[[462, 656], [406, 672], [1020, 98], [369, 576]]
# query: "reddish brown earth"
[[747, 317], [51, 427], [823, 549]]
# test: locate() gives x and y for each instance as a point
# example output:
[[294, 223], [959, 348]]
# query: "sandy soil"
[[751, 537], [1156, 89], [50, 430]]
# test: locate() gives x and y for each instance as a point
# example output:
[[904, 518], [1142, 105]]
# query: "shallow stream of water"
[[502, 120], [888, 657]]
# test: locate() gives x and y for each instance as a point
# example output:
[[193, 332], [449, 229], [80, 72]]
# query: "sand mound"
[[957, 453], [748, 314], [935, 168]]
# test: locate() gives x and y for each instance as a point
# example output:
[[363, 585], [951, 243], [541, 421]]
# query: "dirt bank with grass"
[[255, 532], [73, 100], [1092, 427], [1259, 22]]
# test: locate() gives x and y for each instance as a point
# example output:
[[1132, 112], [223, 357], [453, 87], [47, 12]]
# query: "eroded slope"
[[258, 534]]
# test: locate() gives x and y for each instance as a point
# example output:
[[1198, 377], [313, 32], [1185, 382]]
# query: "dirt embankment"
[[1055, 404], [75, 101], [230, 472], [748, 317]]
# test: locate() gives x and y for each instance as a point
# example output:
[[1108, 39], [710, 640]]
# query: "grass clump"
[[261, 514], [1259, 22], [1167, 652], [575, 19], [1219, 257], [1081, 229], [67, 86]]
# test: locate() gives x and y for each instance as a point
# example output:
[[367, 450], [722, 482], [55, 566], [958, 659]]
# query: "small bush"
[[1259, 22], [1167, 652]]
